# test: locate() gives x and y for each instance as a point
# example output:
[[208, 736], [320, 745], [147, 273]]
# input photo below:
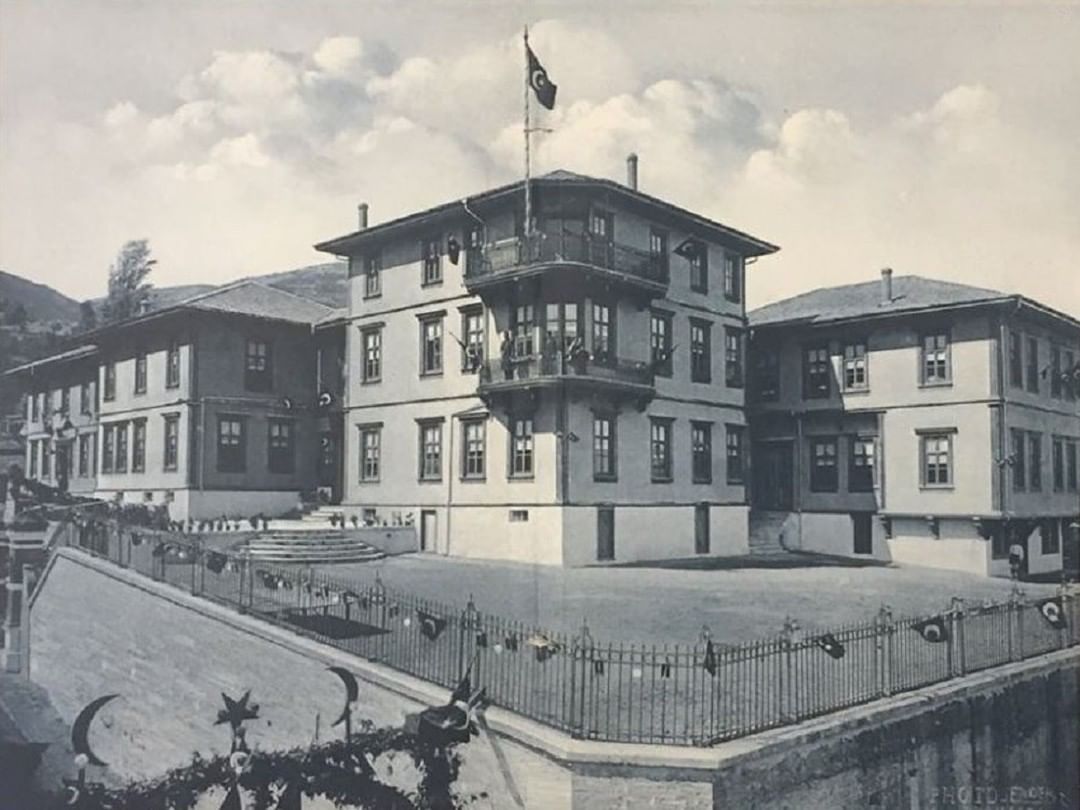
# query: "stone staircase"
[[309, 546], [766, 529]]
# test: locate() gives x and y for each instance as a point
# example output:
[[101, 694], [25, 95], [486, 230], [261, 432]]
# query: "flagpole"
[[528, 160]]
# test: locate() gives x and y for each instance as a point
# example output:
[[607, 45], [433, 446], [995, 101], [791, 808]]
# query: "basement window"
[[519, 515]]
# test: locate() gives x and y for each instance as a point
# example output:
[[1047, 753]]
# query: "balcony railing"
[[543, 248], [509, 372]]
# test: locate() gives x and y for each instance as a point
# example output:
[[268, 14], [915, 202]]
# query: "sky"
[[936, 139]]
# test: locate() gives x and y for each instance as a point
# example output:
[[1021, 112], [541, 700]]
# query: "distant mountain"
[[41, 302]]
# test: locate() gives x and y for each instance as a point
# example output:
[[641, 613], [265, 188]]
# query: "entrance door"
[[862, 526], [429, 527], [605, 533], [701, 528], [773, 483]]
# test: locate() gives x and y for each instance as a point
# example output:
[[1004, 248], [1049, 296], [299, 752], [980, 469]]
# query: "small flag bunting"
[[689, 248], [431, 626], [453, 249], [1052, 610], [710, 658], [828, 642], [933, 629]]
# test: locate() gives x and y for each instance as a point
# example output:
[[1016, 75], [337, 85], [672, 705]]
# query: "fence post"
[[586, 668], [884, 647], [785, 692], [1012, 614], [956, 611], [463, 633], [1067, 612]]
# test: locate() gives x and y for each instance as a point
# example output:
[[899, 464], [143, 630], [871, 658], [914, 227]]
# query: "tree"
[[129, 292], [87, 316]]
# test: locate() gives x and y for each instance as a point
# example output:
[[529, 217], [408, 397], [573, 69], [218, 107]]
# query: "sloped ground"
[[665, 605]]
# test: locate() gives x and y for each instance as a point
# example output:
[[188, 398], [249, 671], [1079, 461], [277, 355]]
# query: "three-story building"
[[563, 392]]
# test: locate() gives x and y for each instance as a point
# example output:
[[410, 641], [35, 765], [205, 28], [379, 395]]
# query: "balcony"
[[583, 375], [570, 257]]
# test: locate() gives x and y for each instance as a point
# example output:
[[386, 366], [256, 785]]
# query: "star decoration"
[[237, 711]]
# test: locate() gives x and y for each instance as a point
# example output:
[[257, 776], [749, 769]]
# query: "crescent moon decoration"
[[81, 727], [352, 691]]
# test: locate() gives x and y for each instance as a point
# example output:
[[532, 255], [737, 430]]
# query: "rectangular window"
[[999, 543], [109, 394], [1055, 371], [1035, 457], [472, 331], [35, 406], [258, 366], [431, 346], [604, 463], [430, 451], [701, 452], [1070, 376], [736, 454], [1057, 463], [1070, 465], [140, 372], [733, 357], [1016, 360], [936, 359], [172, 366], [84, 455], [280, 447], [660, 449], [65, 400], [521, 450], [658, 249], [660, 343], [108, 447], [855, 372], [1018, 458], [171, 454], [767, 374], [432, 257], [603, 334], [700, 351], [1050, 534], [33, 446], [373, 276], [86, 401], [138, 446], [816, 371], [601, 224], [861, 464], [699, 268], [370, 453], [46, 460], [936, 454], [733, 270], [231, 445], [372, 364], [473, 448], [823, 467], [1033, 365], [120, 465], [523, 326]]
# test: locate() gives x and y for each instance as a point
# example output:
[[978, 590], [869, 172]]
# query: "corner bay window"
[[823, 467], [604, 464], [660, 449], [521, 449], [370, 452], [936, 459], [473, 448], [258, 368], [231, 445]]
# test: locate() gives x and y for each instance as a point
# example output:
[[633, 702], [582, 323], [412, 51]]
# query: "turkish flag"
[[539, 81]]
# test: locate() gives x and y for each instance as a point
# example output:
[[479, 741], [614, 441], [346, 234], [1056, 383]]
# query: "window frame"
[[856, 480], [140, 373], [1057, 463], [108, 448], [424, 473], [120, 462], [1034, 442], [231, 460], [700, 350], [170, 455], [734, 265], [735, 454], [1071, 462], [664, 344], [1016, 359], [138, 445], [370, 471], [810, 370], [108, 387], [527, 454], [852, 363], [371, 341], [172, 365], [473, 464], [1050, 541], [85, 463], [1031, 360], [1018, 456], [831, 482], [475, 339], [662, 435], [658, 249], [698, 264], [934, 380], [373, 275], [734, 357], [427, 321], [603, 333], [701, 452], [258, 380], [431, 274], [599, 452], [949, 437], [281, 448], [1056, 387]]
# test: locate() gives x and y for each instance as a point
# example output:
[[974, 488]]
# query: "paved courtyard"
[[662, 604]]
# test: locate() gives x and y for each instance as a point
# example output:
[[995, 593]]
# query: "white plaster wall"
[[834, 533], [959, 548]]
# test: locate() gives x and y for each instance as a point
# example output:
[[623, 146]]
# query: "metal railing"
[[558, 364], [551, 248], [698, 694]]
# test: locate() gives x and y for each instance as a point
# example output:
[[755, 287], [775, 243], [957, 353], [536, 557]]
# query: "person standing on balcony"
[[506, 352]]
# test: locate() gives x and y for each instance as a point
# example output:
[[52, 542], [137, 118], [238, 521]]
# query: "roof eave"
[[813, 322]]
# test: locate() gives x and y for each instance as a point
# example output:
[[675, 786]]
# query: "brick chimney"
[[362, 212], [886, 286], [631, 170]]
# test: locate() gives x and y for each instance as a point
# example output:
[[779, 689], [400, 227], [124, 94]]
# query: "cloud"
[[257, 154]]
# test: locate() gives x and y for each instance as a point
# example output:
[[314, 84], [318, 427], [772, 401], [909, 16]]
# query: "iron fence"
[[697, 694]]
